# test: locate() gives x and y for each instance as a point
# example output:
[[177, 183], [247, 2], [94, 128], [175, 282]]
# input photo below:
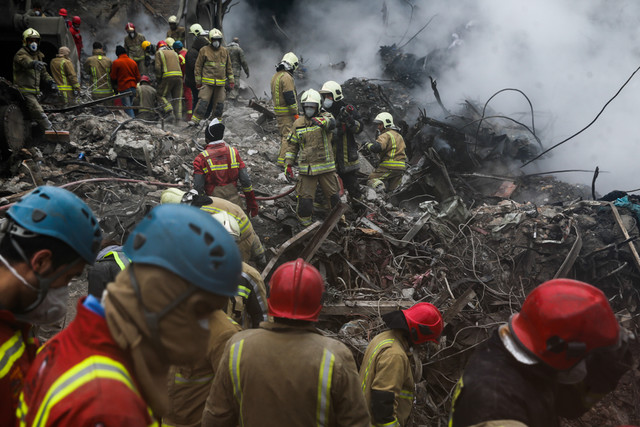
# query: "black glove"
[[53, 86], [39, 65]]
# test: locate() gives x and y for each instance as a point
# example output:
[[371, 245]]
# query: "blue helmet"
[[177, 45], [56, 212], [190, 243]]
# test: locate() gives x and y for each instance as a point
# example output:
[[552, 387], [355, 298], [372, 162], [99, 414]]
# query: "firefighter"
[[47, 238], [309, 379], [285, 100], [110, 261], [169, 74], [133, 44], [146, 98], [110, 365], [310, 144], [212, 73], [390, 147], [238, 63], [386, 373], [74, 29], [345, 147], [200, 40], [29, 73], [186, 90], [62, 12], [217, 170], [557, 357], [124, 77], [98, 67], [64, 75], [174, 31]]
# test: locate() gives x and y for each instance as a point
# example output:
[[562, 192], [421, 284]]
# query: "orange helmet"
[[424, 321], [562, 320], [129, 27], [296, 291], [160, 44]]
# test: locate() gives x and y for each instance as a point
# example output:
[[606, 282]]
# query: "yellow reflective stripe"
[[172, 74], [323, 167], [27, 90], [281, 109], [93, 367], [392, 154], [10, 351], [179, 379], [63, 74], [215, 64], [65, 87], [256, 290], [247, 189], [393, 164], [375, 351], [116, 256], [243, 222], [234, 369], [389, 424], [406, 394], [324, 388], [234, 160], [212, 81], [243, 291]]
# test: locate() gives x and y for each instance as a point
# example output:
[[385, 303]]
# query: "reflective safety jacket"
[[386, 379], [283, 94], [213, 66], [17, 352], [311, 145], [249, 306], [189, 386], [64, 74], [220, 164], [26, 77], [393, 154], [285, 375], [81, 377], [134, 47], [167, 64], [98, 66], [146, 96], [238, 61], [177, 34]]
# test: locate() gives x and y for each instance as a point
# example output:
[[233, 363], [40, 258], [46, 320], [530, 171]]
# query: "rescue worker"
[[238, 63], [186, 91], [169, 75], [386, 373], [310, 144], [212, 73], [149, 59], [74, 29], [125, 77], [157, 313], [199, 41], [217, 170], [36, 10], [146, 98], [62, 12], [98, 66], [175, 32], [390, 147], [310, 379], [110, 261], [251, 248], [133, 45], [557, 357], [47, 238], [345, 147], [29, 73], [285, 100], [170, 41], [64, 75]]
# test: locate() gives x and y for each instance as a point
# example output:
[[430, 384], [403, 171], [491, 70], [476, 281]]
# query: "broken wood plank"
[[57, 136], [571, 256], [261, 109], [632, 247], [458, 304], [302, 234], [506, 189], [312, 247], [348, 308]]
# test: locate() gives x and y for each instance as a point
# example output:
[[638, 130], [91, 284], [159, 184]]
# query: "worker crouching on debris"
[[557, 357], [285, 100], [212, 73], [110, 261], [125, 77], [146, 98], [217, 170], [47, 238], [65, 76], [29, 73], [386, 373], [110, 365], [98, 66], [310, 144], [391, 148], [286, 372], [169, 74]]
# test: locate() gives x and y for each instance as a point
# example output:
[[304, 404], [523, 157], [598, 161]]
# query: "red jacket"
[[125, 71], [77, 39], [220, 165], [17, 352], [81, 377]]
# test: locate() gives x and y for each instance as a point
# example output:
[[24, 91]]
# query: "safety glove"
[[39, 65], [320, 121], [232, 85], [53, 86], [288, 171], [252, 204]]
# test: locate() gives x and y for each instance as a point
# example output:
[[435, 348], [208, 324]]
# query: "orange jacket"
[[125, 71]]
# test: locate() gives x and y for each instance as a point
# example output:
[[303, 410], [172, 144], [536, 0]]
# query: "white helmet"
[[215, 34], [385, 119], [291, 59], [173, 19], [196, 29], [228, 222], [332, 88], [311, 96]]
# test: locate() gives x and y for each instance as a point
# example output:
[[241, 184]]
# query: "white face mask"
[[327, 103], [204, 323], [309, 111], [216, 44], [33, 46], [132, 35]]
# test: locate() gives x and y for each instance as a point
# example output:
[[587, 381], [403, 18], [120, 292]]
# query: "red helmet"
[[424, 321], [562, 320], [129, 27], [161, 43], [296, 291], [75, 20], [62, 12], [145, 78]]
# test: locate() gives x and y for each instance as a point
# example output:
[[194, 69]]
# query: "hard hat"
[[30, 33], [296, 291], [170, 41], [145, 79], [196, 29], [291, 59], [311, 96], [56, 212], [385, 118], [228, 222], [332, 88], [171, 195], [236, 40], [64, 51], [76, 20], [424, 321], [129, 27], [161, 43], [62, 12], [177, 45], [190, 243], [215, 34], [173, 19], [145, 44], [562, 320]]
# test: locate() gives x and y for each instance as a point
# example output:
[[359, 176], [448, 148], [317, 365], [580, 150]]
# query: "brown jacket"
[[311, 145], [134, 47], [64, 74], [189, 386], [386, 367], [249, 306], [167, 64], [25, 76], [177, 34], [146, 97], [282, 82], [98, 66], [393, 154], [213, 67], [282, 375]]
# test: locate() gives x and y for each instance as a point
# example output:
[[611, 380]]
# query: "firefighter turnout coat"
[[25, 76], [282, 83], [98, 66], [310, 143], [213, 66], [393, 154]]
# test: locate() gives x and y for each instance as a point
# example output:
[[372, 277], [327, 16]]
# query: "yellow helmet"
[[30, 33], [228, 222], [173, 19], [145, 44], [311, 96], [170, 41], [215, 34], [291, 59], [171, 195], [332, 88], [196, 29], [385, 119]]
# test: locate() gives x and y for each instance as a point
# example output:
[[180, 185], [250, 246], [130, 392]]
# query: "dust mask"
[[204, 323], [216, 44], [33, 46], [327, 103], [309, 111], [132, 35]]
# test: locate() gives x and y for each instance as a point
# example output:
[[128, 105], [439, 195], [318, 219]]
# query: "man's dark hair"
[[97, 45], [61, 252]]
